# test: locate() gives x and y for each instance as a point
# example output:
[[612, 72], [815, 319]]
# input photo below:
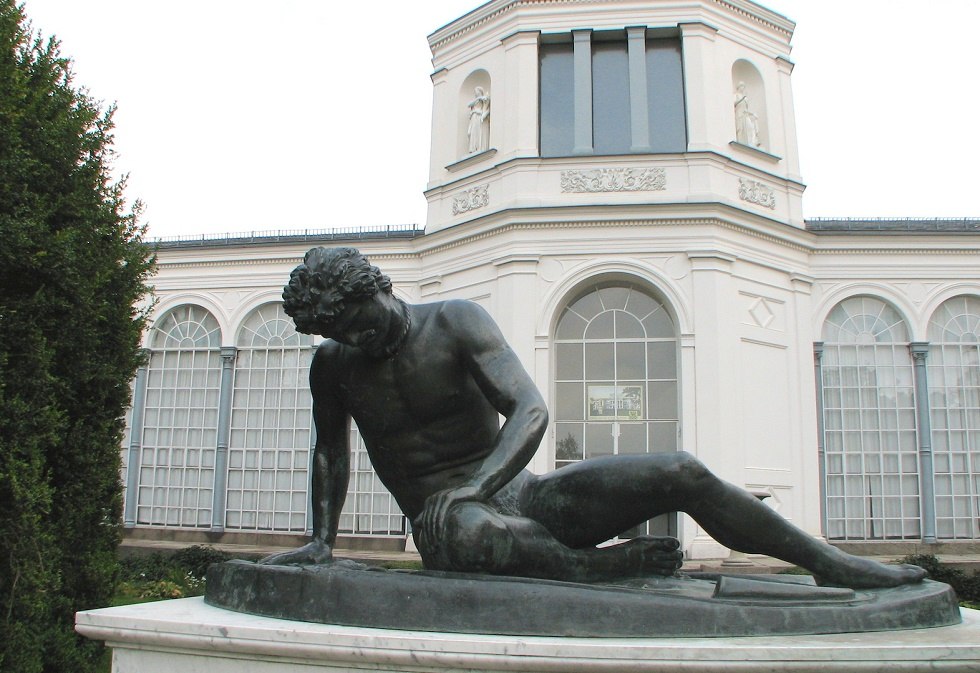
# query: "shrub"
[[966, 586], [72, 268], [195, 560]]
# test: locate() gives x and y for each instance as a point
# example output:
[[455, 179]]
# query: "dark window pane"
[[569, 361], [570, 402], [630, 361], [598, 440], [568, 445], [659, 325], [663, 437], [663, 359], [662, 400], [628, 327], [571, 326], [610, 98], [614, 297], [665, 88], [557, 123], [588, 306], [599, 361], [601, 327], [632, 438], [641, 304]]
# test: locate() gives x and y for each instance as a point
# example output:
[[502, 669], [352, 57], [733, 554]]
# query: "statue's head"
[[328, 278]]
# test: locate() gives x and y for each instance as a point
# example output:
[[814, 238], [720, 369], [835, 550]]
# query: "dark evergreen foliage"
[[72, 268]]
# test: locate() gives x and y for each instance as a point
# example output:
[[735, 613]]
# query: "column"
[[224, 426], [582, 66], [821, 457], [636, 40], [927, 483], [135, 446]]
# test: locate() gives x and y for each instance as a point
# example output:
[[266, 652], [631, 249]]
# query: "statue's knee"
[[478, 540], [690, 471]]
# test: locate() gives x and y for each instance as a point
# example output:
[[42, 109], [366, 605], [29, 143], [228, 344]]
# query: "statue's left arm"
[[502, 379]]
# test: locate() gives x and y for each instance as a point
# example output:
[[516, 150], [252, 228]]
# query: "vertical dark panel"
[[610, 98], [665, 87], [556, 121]]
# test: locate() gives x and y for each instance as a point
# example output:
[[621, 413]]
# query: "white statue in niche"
[[478, 130], [746, 121]]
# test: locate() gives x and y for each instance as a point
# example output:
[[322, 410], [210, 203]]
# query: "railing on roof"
[[894, 224], [289, 236]]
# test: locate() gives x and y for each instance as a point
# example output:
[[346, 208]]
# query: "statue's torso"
[[425, 422]]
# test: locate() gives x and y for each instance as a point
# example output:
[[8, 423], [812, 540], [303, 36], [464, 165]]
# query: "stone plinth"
[[188, 636]]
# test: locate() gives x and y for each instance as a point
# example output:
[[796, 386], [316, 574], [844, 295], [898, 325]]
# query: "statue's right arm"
[[330, 465]]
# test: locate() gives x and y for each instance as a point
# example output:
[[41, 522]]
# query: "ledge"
[[471, 159], [186, 635], [755, 150]]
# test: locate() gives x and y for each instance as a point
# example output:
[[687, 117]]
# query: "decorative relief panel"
[[614, 180], [471, 199], [756, 192]]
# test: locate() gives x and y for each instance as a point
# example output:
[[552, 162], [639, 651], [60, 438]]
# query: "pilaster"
[[520, 118], [582, 65], [927, 472], [135, 447], [698, 53], [636, 39], [224, 424]]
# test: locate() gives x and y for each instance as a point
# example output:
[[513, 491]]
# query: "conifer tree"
[[72, 268]]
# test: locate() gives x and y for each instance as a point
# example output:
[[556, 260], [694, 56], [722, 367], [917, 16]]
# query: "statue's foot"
[[862, 573], [647, 555]]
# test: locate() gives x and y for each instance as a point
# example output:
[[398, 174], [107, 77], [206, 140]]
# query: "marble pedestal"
[[188, 636]]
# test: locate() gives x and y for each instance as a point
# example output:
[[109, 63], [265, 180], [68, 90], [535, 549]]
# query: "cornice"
[[455, 30], [563, 223]]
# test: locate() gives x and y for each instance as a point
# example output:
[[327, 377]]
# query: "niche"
[[749, 106], [473, 113]]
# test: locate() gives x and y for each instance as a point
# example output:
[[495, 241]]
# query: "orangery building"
[[618, 184]]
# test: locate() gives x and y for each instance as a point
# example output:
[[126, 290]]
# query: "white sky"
[[241, 115]]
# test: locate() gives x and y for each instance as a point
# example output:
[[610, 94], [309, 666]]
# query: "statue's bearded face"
[[363, 324]]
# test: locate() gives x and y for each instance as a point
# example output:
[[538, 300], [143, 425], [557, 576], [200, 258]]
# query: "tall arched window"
[[269, 443], [872, 483], [180, 420], [369, 508], [616, 379], [954, 401]]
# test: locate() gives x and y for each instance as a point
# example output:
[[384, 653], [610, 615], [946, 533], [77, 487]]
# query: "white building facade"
[[618, 184]]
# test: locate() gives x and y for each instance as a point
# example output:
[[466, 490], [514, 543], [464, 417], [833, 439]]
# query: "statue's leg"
[[586, 503], [481, 540]]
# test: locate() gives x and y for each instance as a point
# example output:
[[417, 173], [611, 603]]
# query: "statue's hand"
[[432, 521], [660, 555], [315, 553]]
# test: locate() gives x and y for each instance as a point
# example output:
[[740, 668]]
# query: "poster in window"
[[615, 403]]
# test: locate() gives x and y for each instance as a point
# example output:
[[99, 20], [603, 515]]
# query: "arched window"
[[269, 443], [616, 378], [870, 448], [369, 508], [954, 400], [180, 420]]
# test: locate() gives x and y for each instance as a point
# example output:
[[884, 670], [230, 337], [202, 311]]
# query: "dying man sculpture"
[[426, 385]]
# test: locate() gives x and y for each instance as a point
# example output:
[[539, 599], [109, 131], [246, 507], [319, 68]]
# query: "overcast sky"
[[241, 115]]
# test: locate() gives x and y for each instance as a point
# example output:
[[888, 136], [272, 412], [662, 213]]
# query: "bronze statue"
[[425, 384]]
